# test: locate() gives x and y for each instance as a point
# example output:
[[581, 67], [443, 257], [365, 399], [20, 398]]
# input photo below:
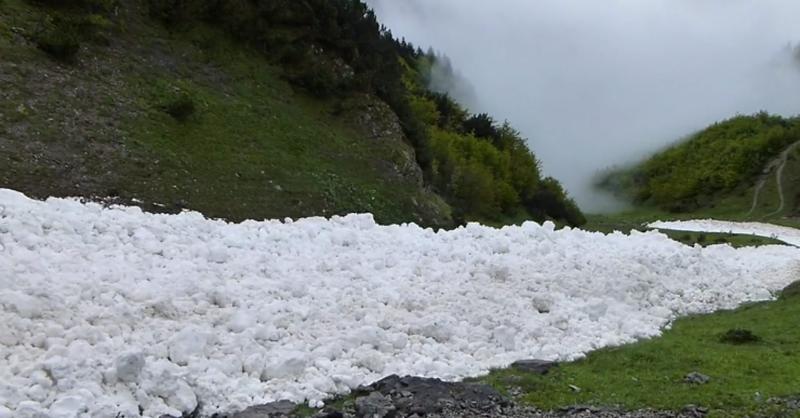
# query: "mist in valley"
[[601, 84]]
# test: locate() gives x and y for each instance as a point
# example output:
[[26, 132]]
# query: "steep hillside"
[[744, 167], [238, 109]]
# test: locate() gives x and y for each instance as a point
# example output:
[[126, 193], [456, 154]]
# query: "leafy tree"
[[482, 126]]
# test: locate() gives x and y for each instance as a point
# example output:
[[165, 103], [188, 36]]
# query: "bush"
[[60, 38], [178, 12], [61, 32], [318, 79], [181, 107], [739, 336], [87, 6]]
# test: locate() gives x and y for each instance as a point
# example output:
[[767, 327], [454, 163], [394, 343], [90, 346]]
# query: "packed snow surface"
[[781, 233], [109, 310]]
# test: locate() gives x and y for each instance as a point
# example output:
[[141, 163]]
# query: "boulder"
[[540, 367]]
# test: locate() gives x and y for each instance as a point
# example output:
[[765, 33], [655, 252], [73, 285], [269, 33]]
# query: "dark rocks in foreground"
[[540, 367], [416, 397], [423, 397]]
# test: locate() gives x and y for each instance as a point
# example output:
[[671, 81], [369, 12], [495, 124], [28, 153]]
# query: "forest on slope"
[[251, 109], [725, 159]]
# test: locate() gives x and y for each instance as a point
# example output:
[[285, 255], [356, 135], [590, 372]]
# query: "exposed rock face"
[[376, 121], [374, 405], [421, 396]]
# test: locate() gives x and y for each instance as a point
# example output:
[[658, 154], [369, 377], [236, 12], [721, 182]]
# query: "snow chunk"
[[188, 343], [68, 407], [129, 366]]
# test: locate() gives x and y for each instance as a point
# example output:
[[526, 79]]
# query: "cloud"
[[601, 83]]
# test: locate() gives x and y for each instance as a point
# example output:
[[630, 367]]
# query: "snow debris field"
[[111, 312], [781, 233]]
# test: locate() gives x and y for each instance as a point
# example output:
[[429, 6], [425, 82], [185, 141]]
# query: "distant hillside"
[[250, 109], [729, 163]]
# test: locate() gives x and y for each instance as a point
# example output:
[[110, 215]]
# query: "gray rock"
[[540, 367], [375, 405], [576, 409], [270, 410], [694, 411], [696, 378], [421, 396], [329, 414]]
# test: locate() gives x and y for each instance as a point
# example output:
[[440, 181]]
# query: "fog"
[[595, 84]]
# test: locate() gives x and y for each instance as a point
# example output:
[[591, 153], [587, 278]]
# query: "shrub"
[[90, 6], [181, 107], [318, 79], [59, 37], [739, 336], [179, 12], [61, 32]]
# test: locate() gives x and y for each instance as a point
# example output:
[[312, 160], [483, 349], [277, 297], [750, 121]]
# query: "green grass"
[[649, 374], [206, 123], [251, 131]]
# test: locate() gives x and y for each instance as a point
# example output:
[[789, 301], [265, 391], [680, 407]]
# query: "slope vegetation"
[[728, 166], [241, 109]]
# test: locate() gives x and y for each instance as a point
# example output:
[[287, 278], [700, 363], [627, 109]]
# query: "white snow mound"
[[109, 311]]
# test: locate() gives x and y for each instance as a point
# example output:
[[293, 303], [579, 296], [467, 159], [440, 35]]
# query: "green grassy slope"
[[252, 148], [250, 109], [746, 379], [734, 205], [715, 173]]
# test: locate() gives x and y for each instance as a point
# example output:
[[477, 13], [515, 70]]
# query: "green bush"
[[181, 107], [739, 337], [318, 77], [90, 6], [59, 37], [62, 31]]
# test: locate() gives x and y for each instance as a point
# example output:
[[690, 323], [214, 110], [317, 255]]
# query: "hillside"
[[249, 110], [741, 168]]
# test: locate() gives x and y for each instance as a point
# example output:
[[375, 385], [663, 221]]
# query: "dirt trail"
[[778, 164]]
